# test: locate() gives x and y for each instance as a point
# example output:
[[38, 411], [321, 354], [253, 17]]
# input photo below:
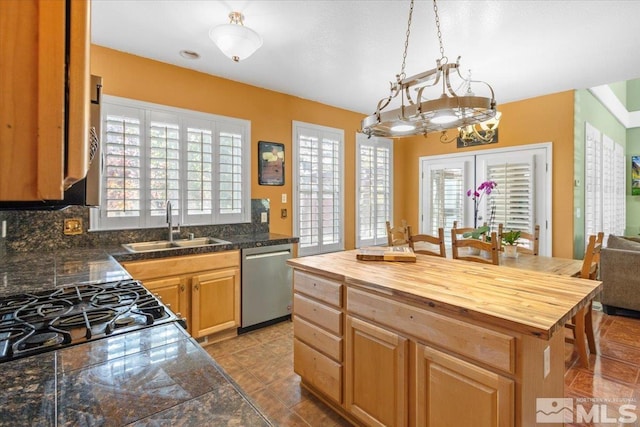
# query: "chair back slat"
[[491, 247], [436, 241]]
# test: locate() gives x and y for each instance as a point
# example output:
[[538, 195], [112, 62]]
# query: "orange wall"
[[544, 119], [271, 115]]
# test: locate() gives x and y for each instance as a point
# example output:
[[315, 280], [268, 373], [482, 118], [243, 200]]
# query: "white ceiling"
[[344, 52]]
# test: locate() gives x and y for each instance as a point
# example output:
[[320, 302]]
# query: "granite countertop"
[[154, 376], [243, 241], [22, 272]]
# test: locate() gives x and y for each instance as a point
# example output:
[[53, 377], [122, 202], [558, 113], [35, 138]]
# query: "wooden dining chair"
[[491, 247], [397, 236], [433, 241], [582, 322], [532, 240], [460, 231]]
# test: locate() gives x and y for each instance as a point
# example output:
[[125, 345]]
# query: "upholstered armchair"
[[620, 274]]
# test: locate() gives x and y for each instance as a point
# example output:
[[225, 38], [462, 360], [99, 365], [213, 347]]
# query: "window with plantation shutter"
[[154, 154], [163, 166], [445, 188], [520, 201], [513, 199], [123, 162], [374, 189], [605, 204], [318, 177]]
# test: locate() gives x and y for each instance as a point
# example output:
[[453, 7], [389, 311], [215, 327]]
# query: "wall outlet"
[[263, 217], [546, 355], [283, 213], [284, 197], [72, 226]]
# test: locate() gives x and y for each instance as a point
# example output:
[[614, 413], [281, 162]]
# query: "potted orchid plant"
[[483, 189]]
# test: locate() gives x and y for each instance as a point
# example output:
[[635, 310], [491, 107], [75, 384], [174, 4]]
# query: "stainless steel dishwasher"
[[266, 286]]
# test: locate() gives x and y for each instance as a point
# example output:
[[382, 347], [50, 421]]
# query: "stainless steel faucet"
[[170, 222]]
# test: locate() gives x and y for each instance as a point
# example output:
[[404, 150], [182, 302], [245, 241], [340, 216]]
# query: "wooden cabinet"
[[318, 334], [172, 291], [44, 82], [215, 301], [204, 289], [453, 392], [376, 374]]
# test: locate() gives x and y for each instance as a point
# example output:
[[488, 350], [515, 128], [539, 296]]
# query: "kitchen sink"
[[163, 245]]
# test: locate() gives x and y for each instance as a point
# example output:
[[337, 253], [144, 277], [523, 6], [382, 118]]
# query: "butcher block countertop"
[[519, 300]]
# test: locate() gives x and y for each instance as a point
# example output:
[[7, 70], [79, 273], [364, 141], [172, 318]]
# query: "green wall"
[[620, 91], [633, 95], [589, 109], [633, 202]]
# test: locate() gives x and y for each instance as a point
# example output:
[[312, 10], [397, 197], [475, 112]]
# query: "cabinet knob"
[[181, 288], [196, 287]]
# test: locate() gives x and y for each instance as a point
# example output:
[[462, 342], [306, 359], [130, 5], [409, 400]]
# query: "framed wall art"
[[635, 175], [270, 163]]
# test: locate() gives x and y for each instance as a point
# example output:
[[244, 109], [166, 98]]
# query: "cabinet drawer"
[[318, 313], [188, 264], [318, 338], [486, 346], [318, 370], [318, 287]]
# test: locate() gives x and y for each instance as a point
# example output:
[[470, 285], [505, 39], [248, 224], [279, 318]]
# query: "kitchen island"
[[436, 342]]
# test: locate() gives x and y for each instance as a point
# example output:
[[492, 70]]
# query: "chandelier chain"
[[406, 42], [435, 9]]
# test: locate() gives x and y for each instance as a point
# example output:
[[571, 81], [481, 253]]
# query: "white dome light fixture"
[[234, 39]]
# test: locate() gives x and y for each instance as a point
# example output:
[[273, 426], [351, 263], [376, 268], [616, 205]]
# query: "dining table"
[[543, 264]]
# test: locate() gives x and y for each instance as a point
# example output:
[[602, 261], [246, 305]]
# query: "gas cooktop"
[[33, 323]]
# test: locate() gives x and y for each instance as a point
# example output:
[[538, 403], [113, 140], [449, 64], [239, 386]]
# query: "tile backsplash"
[[43, 230]]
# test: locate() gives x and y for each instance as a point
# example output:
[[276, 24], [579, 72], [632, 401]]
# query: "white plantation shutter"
[[123, 165], [444, 184], [447, 190], [513, 198], [153, 153], [619, 188], [233, 173], [605, 187], [164, 166], [374, 162], [199, 172], [591, 180], [319, 179]]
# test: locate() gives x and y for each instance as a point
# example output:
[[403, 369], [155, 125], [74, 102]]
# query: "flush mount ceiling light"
[[234, 39], [436, 105]]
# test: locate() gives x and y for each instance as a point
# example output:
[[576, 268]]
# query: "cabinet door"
[[173, 293], [376, 372], [215, 301], [33, 54], [452, 392]]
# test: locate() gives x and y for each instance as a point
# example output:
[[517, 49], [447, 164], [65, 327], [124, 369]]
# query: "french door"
[[521, 200]]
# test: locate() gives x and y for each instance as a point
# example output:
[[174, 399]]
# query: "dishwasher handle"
[[267, 255]]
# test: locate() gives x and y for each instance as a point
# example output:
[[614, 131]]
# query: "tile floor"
[[261, 362]]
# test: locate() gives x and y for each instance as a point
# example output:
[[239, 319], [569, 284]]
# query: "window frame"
[[185, 119]]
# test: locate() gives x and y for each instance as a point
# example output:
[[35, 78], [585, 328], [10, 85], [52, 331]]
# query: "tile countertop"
[[154, 376]]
